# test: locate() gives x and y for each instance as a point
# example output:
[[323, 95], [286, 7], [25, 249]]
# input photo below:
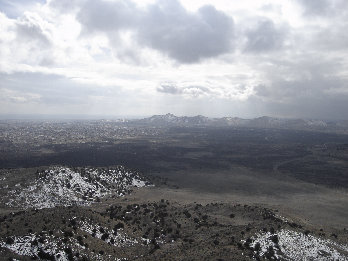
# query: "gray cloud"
[[191, 91], [168, 88], [318, 97], [311, 75], [184, 36], [303, 85], [65, 6], [29, 31], [108, 16], [330, 107], [332, 38], [164, 26], [33, 42], [196, 91], [291, 91], [316, 7], [265, 36], [323, 7]]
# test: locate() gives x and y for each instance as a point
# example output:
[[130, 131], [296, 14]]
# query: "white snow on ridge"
[[62, 246], [316, 123], [61, 186], [48, 247], [29, 245], [138, 183], [295, 246]]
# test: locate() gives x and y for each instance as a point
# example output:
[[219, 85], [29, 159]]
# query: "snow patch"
[[33, 246], [61, 186], [292, 245]]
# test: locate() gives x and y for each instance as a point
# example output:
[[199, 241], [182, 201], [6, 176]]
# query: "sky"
[[216, 58]]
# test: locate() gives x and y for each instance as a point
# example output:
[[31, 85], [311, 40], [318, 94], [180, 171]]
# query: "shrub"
[[118, 226], [9, 241], [45, 256], [257, 246], [187, 214], [104, 236]]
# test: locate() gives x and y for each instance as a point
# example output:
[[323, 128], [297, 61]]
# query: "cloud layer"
[[246, 59], [165, 26]]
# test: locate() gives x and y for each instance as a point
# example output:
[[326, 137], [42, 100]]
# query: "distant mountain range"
[[261, 122]]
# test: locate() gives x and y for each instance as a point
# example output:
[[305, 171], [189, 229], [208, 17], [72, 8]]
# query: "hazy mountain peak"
[[170, 119]]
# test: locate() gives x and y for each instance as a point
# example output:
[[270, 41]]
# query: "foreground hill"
[[54, 216]]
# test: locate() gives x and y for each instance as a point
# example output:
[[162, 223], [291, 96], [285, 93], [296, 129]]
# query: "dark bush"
[[45, 256], [257, 247], [240, 245], [9, 241], [187, 214], [68, 250], [275, 239], [118, 226], [68, 233], [104, 236]]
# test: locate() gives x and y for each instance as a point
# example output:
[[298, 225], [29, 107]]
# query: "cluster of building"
[[39, 133]]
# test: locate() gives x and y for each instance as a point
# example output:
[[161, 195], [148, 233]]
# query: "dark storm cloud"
[[304, 85], [330, 107], [265, 36], [313, 76], [164, 26], [321, 97]]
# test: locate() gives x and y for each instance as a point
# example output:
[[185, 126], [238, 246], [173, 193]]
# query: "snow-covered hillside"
[[292, 245], [63, 246], [62, 186]]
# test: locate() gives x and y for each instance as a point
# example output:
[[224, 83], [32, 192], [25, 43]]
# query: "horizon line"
[[42, 116]]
